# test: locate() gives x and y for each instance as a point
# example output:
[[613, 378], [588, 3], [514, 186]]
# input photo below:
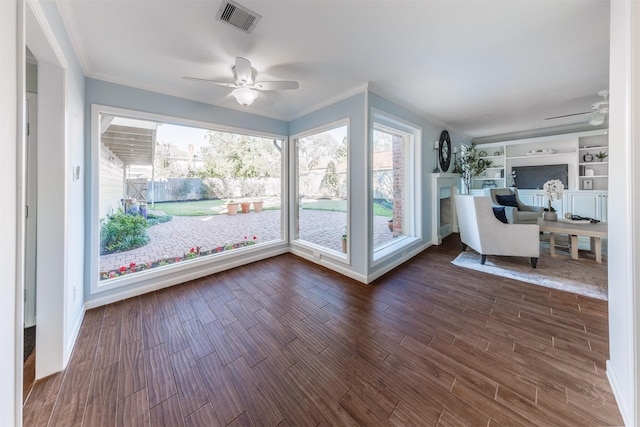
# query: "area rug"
[[583, 277]]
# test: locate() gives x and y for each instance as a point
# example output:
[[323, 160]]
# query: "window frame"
[[92, 262], [386, 122], [316, 249]]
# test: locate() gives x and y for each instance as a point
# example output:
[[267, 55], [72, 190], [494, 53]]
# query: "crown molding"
[[328, 102], [541, 132], [176, 94], [401, 103], [64, 10]]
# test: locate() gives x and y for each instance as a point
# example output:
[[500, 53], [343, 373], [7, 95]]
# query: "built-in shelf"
[[549, 150], [532, 156], [601, 147]]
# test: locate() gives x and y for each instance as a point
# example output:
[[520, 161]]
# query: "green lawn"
[[341, 206], [194, 208], [215, 207]]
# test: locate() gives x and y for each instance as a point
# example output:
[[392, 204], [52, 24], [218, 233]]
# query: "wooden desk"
[[595, 231]]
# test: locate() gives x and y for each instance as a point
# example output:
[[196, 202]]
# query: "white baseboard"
[[195, 273], [71, 342], [617, 393], [387, 268], [327, 262]]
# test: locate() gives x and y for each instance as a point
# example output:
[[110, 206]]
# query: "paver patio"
[[178, 236]]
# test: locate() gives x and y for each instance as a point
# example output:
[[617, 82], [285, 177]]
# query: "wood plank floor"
[[283, 342]]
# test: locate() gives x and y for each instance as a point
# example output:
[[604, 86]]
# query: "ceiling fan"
[[245, 87], [599, 110]]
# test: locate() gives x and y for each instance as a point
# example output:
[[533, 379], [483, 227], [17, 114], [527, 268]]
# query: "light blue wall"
[[430, 133], [114, 95], [354, 109]]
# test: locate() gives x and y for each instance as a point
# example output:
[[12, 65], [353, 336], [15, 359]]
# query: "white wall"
[[61, 224], [10, 408], [624, 207]]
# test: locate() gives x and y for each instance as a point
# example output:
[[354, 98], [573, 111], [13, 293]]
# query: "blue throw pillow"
[[500, 214], [508, 200]]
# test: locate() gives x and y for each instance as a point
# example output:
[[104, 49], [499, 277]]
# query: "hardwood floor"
[[283, 342]]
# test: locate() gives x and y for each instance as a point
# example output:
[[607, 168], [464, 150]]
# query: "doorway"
[[31, 182]]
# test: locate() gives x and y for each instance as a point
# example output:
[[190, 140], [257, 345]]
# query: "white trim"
[[175, 280], [393, 124], [401, 103], [75, 36], [618, 394], [97, 286], [318, 250], [523, 138], [327, 103], [60, 60], [71, 340], [207, 100], [194, 264], [397, 262], [177, 94], [325, 262]]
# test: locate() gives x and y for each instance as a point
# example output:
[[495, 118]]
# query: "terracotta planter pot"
[[390, 223], [344, 246], [245, 207], [257, 206], [232, 208]]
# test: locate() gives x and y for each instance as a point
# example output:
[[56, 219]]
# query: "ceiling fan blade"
[[196, 79], [243, 71], [281, 85], [569, 115]]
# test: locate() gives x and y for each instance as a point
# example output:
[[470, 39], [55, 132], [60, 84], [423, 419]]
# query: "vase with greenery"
[[602, 155], [470, 165]]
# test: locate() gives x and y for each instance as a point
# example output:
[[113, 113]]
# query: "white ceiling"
[[484, 67]]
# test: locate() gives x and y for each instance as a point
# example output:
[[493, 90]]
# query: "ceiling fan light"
[[244, 95], [597, 120]]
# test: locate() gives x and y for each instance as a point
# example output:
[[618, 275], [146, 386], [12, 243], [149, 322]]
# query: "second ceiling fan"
[[599, 110]]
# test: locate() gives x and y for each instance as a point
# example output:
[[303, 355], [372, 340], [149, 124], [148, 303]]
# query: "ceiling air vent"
[[238, 16]]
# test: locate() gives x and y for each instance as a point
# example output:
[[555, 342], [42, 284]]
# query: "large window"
[[395, 185], [173, 193], [321, 188]]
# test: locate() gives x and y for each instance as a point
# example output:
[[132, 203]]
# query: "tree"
[[165, 163], [240, 156], [331, 180]]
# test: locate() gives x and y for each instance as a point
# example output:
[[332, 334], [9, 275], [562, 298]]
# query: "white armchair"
[[483, 232]]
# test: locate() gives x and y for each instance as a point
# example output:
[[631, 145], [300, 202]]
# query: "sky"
[[182, 136]]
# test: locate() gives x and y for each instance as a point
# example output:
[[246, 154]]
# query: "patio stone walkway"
[[176, 237]]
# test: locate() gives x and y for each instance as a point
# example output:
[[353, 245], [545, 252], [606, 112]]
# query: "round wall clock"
[[444, 152]]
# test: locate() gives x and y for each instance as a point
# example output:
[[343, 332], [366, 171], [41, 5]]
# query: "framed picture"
[[587, 184]]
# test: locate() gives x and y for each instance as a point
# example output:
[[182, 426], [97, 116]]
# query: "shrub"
[[122, 233], [153, 219]]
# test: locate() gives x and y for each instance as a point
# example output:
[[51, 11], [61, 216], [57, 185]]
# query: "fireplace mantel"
[[443, 217]]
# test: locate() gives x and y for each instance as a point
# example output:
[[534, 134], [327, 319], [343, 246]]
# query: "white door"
[[32, 177]]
